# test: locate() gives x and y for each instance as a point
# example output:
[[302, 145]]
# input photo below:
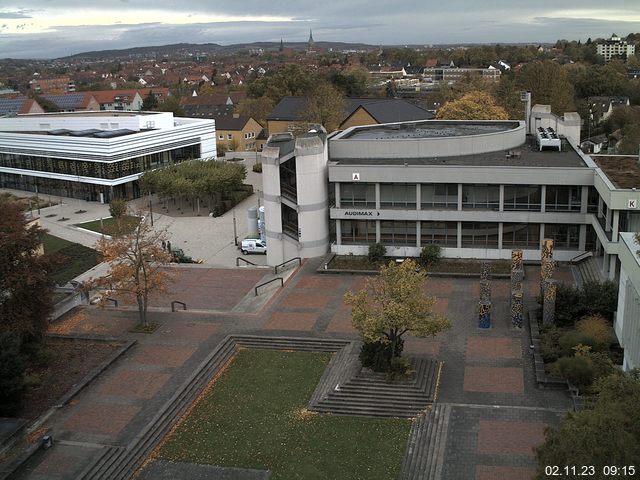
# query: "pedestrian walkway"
[[495, 413]]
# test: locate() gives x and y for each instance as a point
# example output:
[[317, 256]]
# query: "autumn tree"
[[325, 106], [393, 304], [150, 102], [136, 262], [474, 105], [549, 84], [26, 285], [256, 108], [605, 433]]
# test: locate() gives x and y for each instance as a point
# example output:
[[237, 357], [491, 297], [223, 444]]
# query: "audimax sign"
[[361, 213]]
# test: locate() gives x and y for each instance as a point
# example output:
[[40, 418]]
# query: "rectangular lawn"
[[110, 225], [255, 416], [72, 259]]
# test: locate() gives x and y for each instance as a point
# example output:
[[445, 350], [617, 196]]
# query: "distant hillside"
[[207, 48]]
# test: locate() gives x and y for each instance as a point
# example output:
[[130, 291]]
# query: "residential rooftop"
[[622, 170]]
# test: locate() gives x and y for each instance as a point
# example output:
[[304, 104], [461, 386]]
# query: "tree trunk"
[[142, 311]]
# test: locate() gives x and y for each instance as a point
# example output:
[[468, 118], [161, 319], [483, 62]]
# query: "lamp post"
[[150, 209]]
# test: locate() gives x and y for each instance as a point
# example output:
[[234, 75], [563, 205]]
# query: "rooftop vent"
[[548, 138]]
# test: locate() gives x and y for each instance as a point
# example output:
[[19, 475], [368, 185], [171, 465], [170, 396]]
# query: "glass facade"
[[480, 235], [480, 197], [398, 195], [522, 197], [358, 232], [444, 234], [521, 235], [398, 233], [104, 170], [564, 236], [439, 196], [358, 195], [563, 198]]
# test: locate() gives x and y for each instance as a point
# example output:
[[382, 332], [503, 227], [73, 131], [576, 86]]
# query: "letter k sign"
[[632, 203]]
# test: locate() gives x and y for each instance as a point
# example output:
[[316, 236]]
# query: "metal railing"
[[245, 261], [255, 290], [173, 305], [115, 302], [298, 259]]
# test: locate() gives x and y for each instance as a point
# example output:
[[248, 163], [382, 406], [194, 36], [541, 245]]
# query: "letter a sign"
[[632, 203], [355, 177]]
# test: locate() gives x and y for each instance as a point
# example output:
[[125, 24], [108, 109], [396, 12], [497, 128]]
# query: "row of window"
[[107, 170], [474, 197], [247, 136], [473, 234]]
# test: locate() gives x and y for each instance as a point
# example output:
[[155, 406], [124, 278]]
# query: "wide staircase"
[[589, 270], [424, 457], [368, 393]]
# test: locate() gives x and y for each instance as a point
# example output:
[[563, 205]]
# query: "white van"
[[253, 245]]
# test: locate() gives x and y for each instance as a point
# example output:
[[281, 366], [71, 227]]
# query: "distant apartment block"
[[452, 74], [52, 86], [615, 47]]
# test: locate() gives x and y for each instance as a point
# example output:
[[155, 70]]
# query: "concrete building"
[[615, 47], [478, 189], [627, 321], [451, 74], [96, 155]]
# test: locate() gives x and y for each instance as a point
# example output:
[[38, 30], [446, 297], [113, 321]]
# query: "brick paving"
[[131, 383], [498, 413], [494, 347], [493, 380], [509, 438], [292, 321], [101, 418], [491, 472]]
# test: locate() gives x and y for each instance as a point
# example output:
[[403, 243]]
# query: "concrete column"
[[607, 221], [600, 203], [338, 232], [337, 194], [459, 202], [418, 196], [418, 228], [378, 230], [615, 225], [378, 197], [543, 199], [541, 235], [584, 199], [459, 234], [500, 230], [613, 262], [501, 201], [582, 239]]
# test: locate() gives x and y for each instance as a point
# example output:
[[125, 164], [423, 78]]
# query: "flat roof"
[[622, 170], [428, 129], [526, 155], [93, 113]]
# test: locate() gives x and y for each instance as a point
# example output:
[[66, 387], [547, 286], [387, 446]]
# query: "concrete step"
[[424, 456]]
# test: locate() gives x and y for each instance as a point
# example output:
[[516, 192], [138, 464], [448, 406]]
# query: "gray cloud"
[[21, 13], [368, 21]]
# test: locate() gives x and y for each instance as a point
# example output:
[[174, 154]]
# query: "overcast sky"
[[55, 28]]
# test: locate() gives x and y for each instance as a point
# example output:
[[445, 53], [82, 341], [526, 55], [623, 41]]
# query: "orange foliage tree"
[[475, 105], [136, 262]]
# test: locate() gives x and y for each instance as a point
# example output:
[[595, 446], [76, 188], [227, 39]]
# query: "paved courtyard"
[[497, 413]]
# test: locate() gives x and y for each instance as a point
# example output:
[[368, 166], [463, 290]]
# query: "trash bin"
[[47, 441]]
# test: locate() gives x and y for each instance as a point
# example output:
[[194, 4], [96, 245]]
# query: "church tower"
[[310, 43]]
